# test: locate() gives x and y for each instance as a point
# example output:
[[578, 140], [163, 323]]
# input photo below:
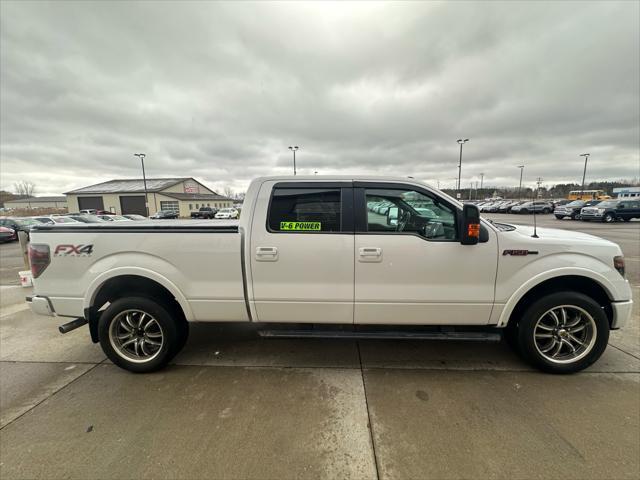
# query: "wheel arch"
[[568, 282], [132, 281]]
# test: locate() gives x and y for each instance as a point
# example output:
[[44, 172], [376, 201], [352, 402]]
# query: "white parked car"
[[310, 252], [227, 213]]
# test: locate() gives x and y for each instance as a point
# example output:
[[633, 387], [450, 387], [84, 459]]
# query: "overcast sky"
[[219, 91]]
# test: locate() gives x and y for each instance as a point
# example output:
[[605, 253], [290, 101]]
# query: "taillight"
[[39, 258], [618, 264]]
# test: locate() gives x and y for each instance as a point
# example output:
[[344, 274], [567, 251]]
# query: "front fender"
[[513, 300]]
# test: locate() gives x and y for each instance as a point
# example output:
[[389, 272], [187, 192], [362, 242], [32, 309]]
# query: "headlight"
[[618, 264], [600, 211]]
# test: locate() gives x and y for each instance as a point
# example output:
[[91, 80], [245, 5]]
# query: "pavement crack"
[[370, 422], [624, 351], [52, 395]]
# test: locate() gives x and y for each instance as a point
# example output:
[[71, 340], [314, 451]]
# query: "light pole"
[[461, 142], [481, 180], [521, 167], [293, 149], [584, 173], [144, 180]]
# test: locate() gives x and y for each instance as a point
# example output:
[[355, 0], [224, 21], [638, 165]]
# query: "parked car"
[[51, 220], [8, 235], [86, 218], [205, 212], [304, 255], [506, 206], [612, 210], [227, 213], [572, 209], [93, 211], [165, 214], [19, 224], [114, 218], [135, 216], [533, 207]]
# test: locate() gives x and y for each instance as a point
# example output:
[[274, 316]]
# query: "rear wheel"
[[524, 210], [564, 332], [140, 334]]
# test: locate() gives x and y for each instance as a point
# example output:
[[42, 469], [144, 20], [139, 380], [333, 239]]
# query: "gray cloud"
[[219, 90]]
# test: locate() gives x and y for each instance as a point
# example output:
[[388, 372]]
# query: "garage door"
[[86, 203], [133, 204]]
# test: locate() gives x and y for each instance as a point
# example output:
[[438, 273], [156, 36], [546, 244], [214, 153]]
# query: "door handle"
[[370, 252], [267, 254]]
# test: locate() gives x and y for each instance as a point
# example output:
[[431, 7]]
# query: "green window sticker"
[[301, 226]]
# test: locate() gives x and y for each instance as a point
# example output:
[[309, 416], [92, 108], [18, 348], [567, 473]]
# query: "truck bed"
[[202, 270]]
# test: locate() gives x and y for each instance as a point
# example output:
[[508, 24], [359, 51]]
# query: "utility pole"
[[461, 142], [141, 156], [294, 149], [521, 167], [584, 173], [481, 180], [538, 182]]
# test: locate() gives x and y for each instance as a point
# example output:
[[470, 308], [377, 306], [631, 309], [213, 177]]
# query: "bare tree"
[[228, 192], [25, 188]]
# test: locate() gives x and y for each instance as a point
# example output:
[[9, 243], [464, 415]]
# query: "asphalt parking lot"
[[233, 405]]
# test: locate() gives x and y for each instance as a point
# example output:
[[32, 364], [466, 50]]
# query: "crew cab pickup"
[[312, 257], [204, 212]]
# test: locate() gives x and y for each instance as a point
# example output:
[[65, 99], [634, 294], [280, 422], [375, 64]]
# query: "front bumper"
[[621, 313], [41, 306]]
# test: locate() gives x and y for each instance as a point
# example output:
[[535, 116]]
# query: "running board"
[[384, 335]]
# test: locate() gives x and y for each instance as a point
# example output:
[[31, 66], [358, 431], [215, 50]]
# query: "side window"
[[296, 210], [408, 211]]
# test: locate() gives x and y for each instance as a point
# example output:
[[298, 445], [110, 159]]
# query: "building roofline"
[[78, 191]]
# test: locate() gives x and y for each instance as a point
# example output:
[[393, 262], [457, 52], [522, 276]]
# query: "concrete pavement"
[[234, 405]]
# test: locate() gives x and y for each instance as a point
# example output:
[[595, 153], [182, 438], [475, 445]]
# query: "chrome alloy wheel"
[[565, 334], [136, 336]]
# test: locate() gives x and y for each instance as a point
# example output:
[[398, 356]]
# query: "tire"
[[559, 217], [546, 211], [609, 218], [626, 219], [537, 320], [575, 216], [524, 210], [140, 334]]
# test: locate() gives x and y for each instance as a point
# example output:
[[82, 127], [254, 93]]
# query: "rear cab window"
[[295, 209]]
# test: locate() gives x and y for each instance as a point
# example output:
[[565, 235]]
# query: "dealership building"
[[126, 196]]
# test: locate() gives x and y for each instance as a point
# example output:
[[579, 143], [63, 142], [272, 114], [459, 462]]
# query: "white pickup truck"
[[371, 257]]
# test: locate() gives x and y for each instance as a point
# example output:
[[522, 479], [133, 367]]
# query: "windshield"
[[27, 221], [575, 203], [608, 204]]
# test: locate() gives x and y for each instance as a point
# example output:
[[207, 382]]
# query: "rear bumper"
[[41, 306], [621, 313]]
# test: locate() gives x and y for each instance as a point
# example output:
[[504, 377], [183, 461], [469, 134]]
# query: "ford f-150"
[[311, 251]]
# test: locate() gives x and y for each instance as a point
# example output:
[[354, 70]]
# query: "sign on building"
[[191, 187]]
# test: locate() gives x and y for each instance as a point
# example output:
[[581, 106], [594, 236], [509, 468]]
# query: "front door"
[[302, 252], [410, 267]]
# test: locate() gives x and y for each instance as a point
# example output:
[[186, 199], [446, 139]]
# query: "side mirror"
[[392, 216], [470, 225]]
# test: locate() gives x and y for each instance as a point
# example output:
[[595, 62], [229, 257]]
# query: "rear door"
[[302, 252], [410, 267]]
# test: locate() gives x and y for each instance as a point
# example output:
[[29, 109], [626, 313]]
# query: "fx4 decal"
[[519, 253], [73, 250]]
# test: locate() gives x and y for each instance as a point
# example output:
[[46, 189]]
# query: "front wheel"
[[563, 332], [546, 211], [608, 218], [140, 334], [524, 210], [559, 217]]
